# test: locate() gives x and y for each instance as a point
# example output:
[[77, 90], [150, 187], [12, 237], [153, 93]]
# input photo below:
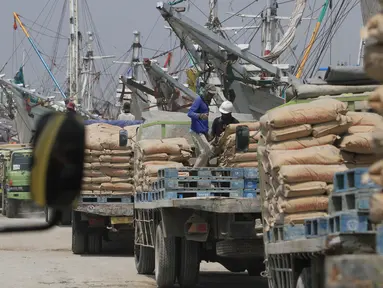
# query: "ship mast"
[[270, 27], [74, 51]]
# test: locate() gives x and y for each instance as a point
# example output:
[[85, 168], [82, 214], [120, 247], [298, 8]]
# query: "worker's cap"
[[210, 88]]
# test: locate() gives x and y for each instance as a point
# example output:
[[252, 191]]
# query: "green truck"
[[15, 166]]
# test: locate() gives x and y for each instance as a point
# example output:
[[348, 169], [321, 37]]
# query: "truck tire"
[[79, 235], [165, 259], [144, 259], [12, 208], [189, 256], [48, 214], [94, 243], [66, 218], [304, 280]]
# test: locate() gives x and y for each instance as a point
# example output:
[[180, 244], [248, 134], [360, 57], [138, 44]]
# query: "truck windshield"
[[21, 162]]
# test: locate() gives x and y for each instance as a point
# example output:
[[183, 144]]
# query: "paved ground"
[[44, 259]]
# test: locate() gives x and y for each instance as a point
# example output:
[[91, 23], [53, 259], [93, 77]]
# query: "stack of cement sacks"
[[228, 157], [373, 62], [153, 155], [108, 167], [302, 146]]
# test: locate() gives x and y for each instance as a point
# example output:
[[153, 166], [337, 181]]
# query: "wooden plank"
[[209, 204], [115, 209], [297, 246], [355, 271]]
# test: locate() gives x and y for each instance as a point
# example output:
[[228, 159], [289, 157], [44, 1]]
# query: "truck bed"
[[106, 205], [209, 204]]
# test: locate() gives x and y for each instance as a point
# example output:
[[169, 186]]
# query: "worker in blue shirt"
[[199, 114]]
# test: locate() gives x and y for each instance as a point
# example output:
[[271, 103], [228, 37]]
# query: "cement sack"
[[375, 173], [138, 180], [307, 173], [114, 172], [96, 153], [305, 204], [117, 186], [122, 180], [314, 188], [361, 129], [90, 159], [96, 180], [375, 101], [121, 166], [87, 166], [243, 157], [244, 165], [253, 126], [318, 111], [103, 141], [325, 155], [230, 140], [115, 159], [373, 61], [98, 165], [288, 133], [300, 218], [181, 142], [156, 157], [302, 143], [183, 157], [127, 152], [376, 208], [361, 143], [93, 173], [90, 186], [373, 28], [338, 127], [102, 127], [167, 148], [364, 118], [139, 189], [152, 169]]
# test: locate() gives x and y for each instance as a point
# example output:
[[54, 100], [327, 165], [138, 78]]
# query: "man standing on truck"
[[220, 123], [199, 114], [126, 115]]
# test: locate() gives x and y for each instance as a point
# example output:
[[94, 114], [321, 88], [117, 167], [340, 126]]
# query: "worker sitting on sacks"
[[199, 114], [220, 123], [126, 115]]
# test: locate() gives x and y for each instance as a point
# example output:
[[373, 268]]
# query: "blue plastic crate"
[[316, 227], [350, 222], [350, 180], [289, 232], [251, 193], [168, 195], [358, 199], [251, 173], [205, 172], [106, 199], [251, 183], [379, 239], [196, 183]]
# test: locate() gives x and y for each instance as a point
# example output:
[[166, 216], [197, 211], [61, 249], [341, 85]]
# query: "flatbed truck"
[[175, 231]]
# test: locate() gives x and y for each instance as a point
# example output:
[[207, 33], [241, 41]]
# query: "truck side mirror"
[[242, 138], [57, 165]]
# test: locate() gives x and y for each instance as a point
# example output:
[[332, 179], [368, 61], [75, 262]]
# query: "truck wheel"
[[94, 243], [165, 259], [79, 235], [189, 263], [48, 214], [144, 259], [12, 208], [304, 280], [66, 218]]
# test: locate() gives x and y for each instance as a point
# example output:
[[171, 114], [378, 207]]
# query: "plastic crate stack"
[[179, 183], [348, 211]]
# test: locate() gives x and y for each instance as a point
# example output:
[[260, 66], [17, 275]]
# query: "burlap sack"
[[139, 189], [373, 61], [93, 173], [305, 204], [151, 170], [302, 143], [183, 157], [121, 165], [87, 166], [156, 157], [115, 159], [90, 186], [117, 186], [98, 180], [364, 118], [307, 173], [127, 152], [361, 143], [375, 173], [300, 218], [90, 159], [305, 189], [373, 28], [181, 142], [230, 140], [243, 157], [361, 129], [288, 133], [318, 111], [338, 127], [253, 164], [114, 172], [95, 153], [122, 180], [156, 148], [325, 155]]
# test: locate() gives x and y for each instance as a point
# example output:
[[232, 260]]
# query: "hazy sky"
[[117, 19]]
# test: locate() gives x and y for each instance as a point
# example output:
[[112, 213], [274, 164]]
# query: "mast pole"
[[74, 51], [270, 26]]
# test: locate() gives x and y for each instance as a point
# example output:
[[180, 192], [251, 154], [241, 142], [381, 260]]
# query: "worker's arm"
[[214, 134], [194, 108]]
